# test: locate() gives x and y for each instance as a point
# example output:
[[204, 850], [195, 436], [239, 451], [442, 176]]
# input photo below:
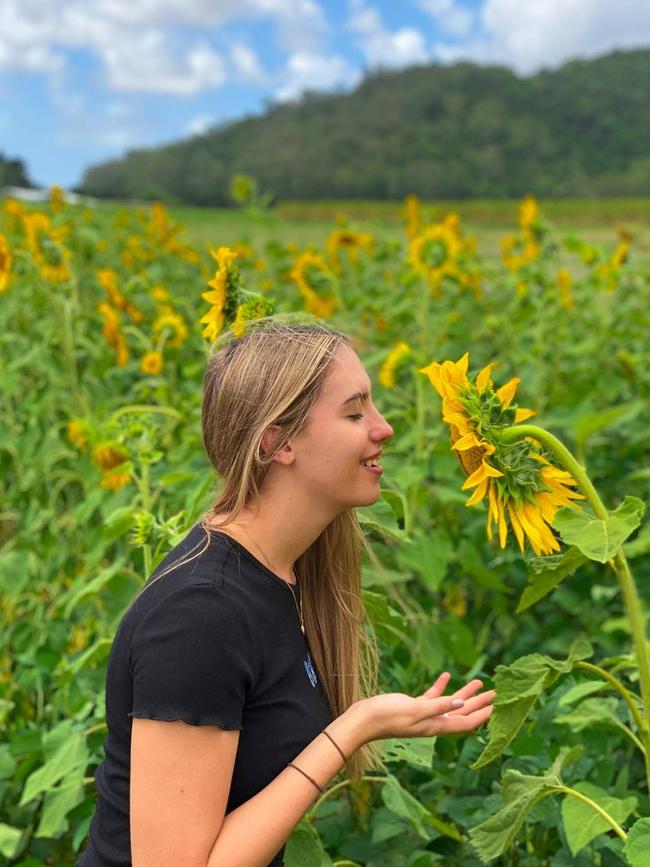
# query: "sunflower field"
[[508, 542]]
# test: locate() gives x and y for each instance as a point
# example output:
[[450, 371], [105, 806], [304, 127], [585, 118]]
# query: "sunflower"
[[169, 319], [413, 213], [151, 363], [113, 333], [108, 280], [522, 488], [224, 294], [57, 198], [310, 268], [349, 241], [5, 263], [110, 457], [77, 431], [255, 307], [46, 244], [387, 371], [434, 253], [564, 283]]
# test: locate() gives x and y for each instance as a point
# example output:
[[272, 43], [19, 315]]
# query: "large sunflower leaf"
[[599, 539], [545, 573], [517, 688], [520, 792], [582, 823], [637, 846]]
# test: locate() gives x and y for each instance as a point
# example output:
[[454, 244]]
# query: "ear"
[[267, 445]]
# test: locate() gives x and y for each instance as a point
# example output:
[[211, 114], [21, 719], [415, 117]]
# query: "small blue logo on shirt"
[[309, 667]]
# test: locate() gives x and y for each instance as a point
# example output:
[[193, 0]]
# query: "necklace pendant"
[[302, 628]]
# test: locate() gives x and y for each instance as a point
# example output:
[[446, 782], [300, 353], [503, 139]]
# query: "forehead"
[[346, 375]]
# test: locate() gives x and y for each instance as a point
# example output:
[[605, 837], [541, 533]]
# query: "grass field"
[[308, 223]]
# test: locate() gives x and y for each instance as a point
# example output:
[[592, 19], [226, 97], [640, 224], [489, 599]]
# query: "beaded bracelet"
[[327, 734], [311, 780]]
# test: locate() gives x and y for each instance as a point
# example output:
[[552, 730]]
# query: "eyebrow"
[[357, 396]]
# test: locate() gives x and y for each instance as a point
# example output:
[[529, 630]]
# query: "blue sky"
[[83, 81]]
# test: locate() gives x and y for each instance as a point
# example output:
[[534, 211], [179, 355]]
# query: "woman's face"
[[344, 429]]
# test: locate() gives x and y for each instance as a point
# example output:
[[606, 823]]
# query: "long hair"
[[273, 375]]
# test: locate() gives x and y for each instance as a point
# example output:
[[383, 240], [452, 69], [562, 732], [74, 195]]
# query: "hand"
[[395, 715]]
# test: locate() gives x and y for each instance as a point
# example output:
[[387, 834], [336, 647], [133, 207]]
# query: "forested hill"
[[438, 131], [13, 173]]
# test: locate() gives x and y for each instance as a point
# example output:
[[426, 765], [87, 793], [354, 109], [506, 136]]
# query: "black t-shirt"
[[216, 641]]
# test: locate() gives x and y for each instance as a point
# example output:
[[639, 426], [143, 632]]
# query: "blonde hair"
[[273, 375]]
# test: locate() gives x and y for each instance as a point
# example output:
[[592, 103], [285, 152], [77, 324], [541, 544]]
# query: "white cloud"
[[36, 34], [199, 124], [545, 33], [314, 72], [452, 18], [148, 63], [382, 47], [245, 63]]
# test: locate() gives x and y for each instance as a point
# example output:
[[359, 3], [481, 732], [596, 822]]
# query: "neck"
[[283, 527]]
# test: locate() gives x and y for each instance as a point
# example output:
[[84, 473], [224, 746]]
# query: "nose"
[[382, 431]]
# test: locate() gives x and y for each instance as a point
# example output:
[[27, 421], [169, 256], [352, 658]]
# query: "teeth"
[[374, 462]]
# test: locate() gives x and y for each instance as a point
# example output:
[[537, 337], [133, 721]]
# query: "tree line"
[[440, 131]]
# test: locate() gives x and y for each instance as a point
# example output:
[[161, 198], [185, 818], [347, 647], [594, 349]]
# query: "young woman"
[[241, 679]]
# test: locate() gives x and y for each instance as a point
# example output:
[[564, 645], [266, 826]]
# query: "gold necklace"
[[275, 570]]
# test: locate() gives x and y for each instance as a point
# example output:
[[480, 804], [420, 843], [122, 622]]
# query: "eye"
[[356, 416]]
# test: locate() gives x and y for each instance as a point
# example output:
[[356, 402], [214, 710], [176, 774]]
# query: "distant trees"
[[439, 131], [13, 173]]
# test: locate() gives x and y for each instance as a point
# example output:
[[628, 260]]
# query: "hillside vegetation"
[[455, 131]]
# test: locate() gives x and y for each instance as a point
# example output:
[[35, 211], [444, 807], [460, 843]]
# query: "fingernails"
[[457, 702]]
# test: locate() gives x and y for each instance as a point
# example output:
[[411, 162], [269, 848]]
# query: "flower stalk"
[[618, 563]]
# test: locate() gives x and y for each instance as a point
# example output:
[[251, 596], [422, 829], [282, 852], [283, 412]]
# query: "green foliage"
[[13, 173], [74, 552], [520, 792], [518, 687], [599, 539], [443, 131]]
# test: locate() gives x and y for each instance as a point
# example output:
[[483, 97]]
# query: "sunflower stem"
[[618, 563], [574, 793]]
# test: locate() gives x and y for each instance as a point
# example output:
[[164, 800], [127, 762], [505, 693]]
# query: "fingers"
[[438, 687], [469, 689], [441, 684], [455, 723], [475, 703]]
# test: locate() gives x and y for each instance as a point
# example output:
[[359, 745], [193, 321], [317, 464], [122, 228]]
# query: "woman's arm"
[[254, 833]]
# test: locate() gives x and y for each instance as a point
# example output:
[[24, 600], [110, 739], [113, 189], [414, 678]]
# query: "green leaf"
[[582, 823], [594, 422], [7, 762], [520, 792], [597, 539], [470, 559], [118, 523], [545, 573], [304, 847], [428, 557], [405, 805], [641, 544], [415, 751], [381, 519], [57, 804], [387, 622], [591, 712], [10, 840], [517, 689], [458, 640], [71, 755], [637, 846], [580, 690]]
